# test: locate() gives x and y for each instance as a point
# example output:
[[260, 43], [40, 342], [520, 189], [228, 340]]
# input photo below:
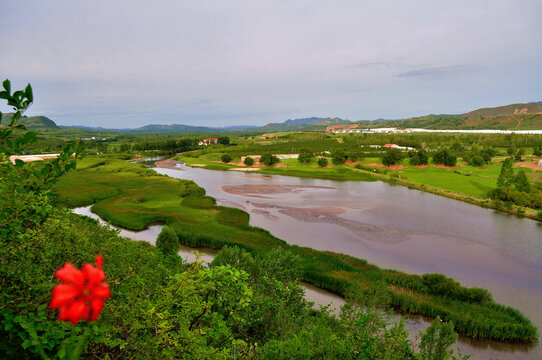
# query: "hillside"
[[32, 122], [513, 109], [465, 122]]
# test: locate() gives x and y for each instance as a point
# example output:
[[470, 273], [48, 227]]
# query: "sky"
[[129, 63]]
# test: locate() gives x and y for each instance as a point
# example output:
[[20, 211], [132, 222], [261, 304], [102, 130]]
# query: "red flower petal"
[[101, 291], [70, 274], [63, 293], [96, 305], [99, 261], [63, 314], [94, 276], [76, 311]]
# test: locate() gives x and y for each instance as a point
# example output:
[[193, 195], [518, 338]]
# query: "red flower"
[[82, 293]]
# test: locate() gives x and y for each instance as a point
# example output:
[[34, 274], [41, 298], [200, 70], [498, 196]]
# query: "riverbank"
[[350, 172], [130, 196]]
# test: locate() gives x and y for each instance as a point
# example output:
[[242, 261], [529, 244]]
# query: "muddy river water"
[[393, 227], [400, 228]]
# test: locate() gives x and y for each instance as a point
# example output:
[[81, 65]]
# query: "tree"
[[512, 149], [506, 176], [392, 157], [249, 161], [476, 160], [338, 157], [517, 157], [437, 339], [167, 241], [268, 159], [418, 157], [444, 157], [305, 156], [521, 182], [322, 162], [224, 140], [226, 158]]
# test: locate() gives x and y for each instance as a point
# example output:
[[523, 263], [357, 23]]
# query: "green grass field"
[[133, 197]]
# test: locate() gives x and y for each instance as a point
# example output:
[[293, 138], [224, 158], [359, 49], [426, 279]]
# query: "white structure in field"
[[29, 158]]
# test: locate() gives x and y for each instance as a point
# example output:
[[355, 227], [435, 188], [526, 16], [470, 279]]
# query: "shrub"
[[167, 241], [322, 162], [338, 157], [268, 159], [249, 161], [444, 157], [305, 156], [226, 158], [392, 157], [476, 160], [418, 157]]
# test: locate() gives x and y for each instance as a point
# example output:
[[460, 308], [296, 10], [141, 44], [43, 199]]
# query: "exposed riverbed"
[[396, 227]]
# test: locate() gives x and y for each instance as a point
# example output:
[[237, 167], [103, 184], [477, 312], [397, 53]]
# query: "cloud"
[[438, 72]]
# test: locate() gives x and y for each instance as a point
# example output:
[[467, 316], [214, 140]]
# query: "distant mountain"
[[31, 122], [312, 123], [310, 120], [513, 109]]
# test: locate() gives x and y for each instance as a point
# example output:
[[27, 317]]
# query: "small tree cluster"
[[444, 157], [305, 156], [269, 159], [392, 157], [224, 140], [338, 157], [226, 158], [418, 157]]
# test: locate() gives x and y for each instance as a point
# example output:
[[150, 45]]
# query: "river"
[[400, 228]]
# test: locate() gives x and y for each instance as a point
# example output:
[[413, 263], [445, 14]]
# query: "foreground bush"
[[167, 241]]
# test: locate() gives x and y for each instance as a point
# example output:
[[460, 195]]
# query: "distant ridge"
[[521, 116], [513, 109]]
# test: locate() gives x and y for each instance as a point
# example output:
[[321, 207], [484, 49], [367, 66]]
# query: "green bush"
[[226, 158], [167, 241], [444, 157], [249, 161], [338, 157], [392, 157], [322, 162], [268, 159]]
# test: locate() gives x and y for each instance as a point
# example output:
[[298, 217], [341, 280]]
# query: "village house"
[[208, 141]]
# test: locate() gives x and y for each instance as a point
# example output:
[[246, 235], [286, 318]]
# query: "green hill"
[[32, 122], [513, 109]]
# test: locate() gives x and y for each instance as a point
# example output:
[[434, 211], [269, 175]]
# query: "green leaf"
[[29, 93], [7, 85]]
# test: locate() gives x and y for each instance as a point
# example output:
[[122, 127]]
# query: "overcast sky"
[[215, 63]]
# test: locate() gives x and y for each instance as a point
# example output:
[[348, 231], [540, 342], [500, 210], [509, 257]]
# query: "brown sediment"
[[330, 215], [257, 190], [168, 164]]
